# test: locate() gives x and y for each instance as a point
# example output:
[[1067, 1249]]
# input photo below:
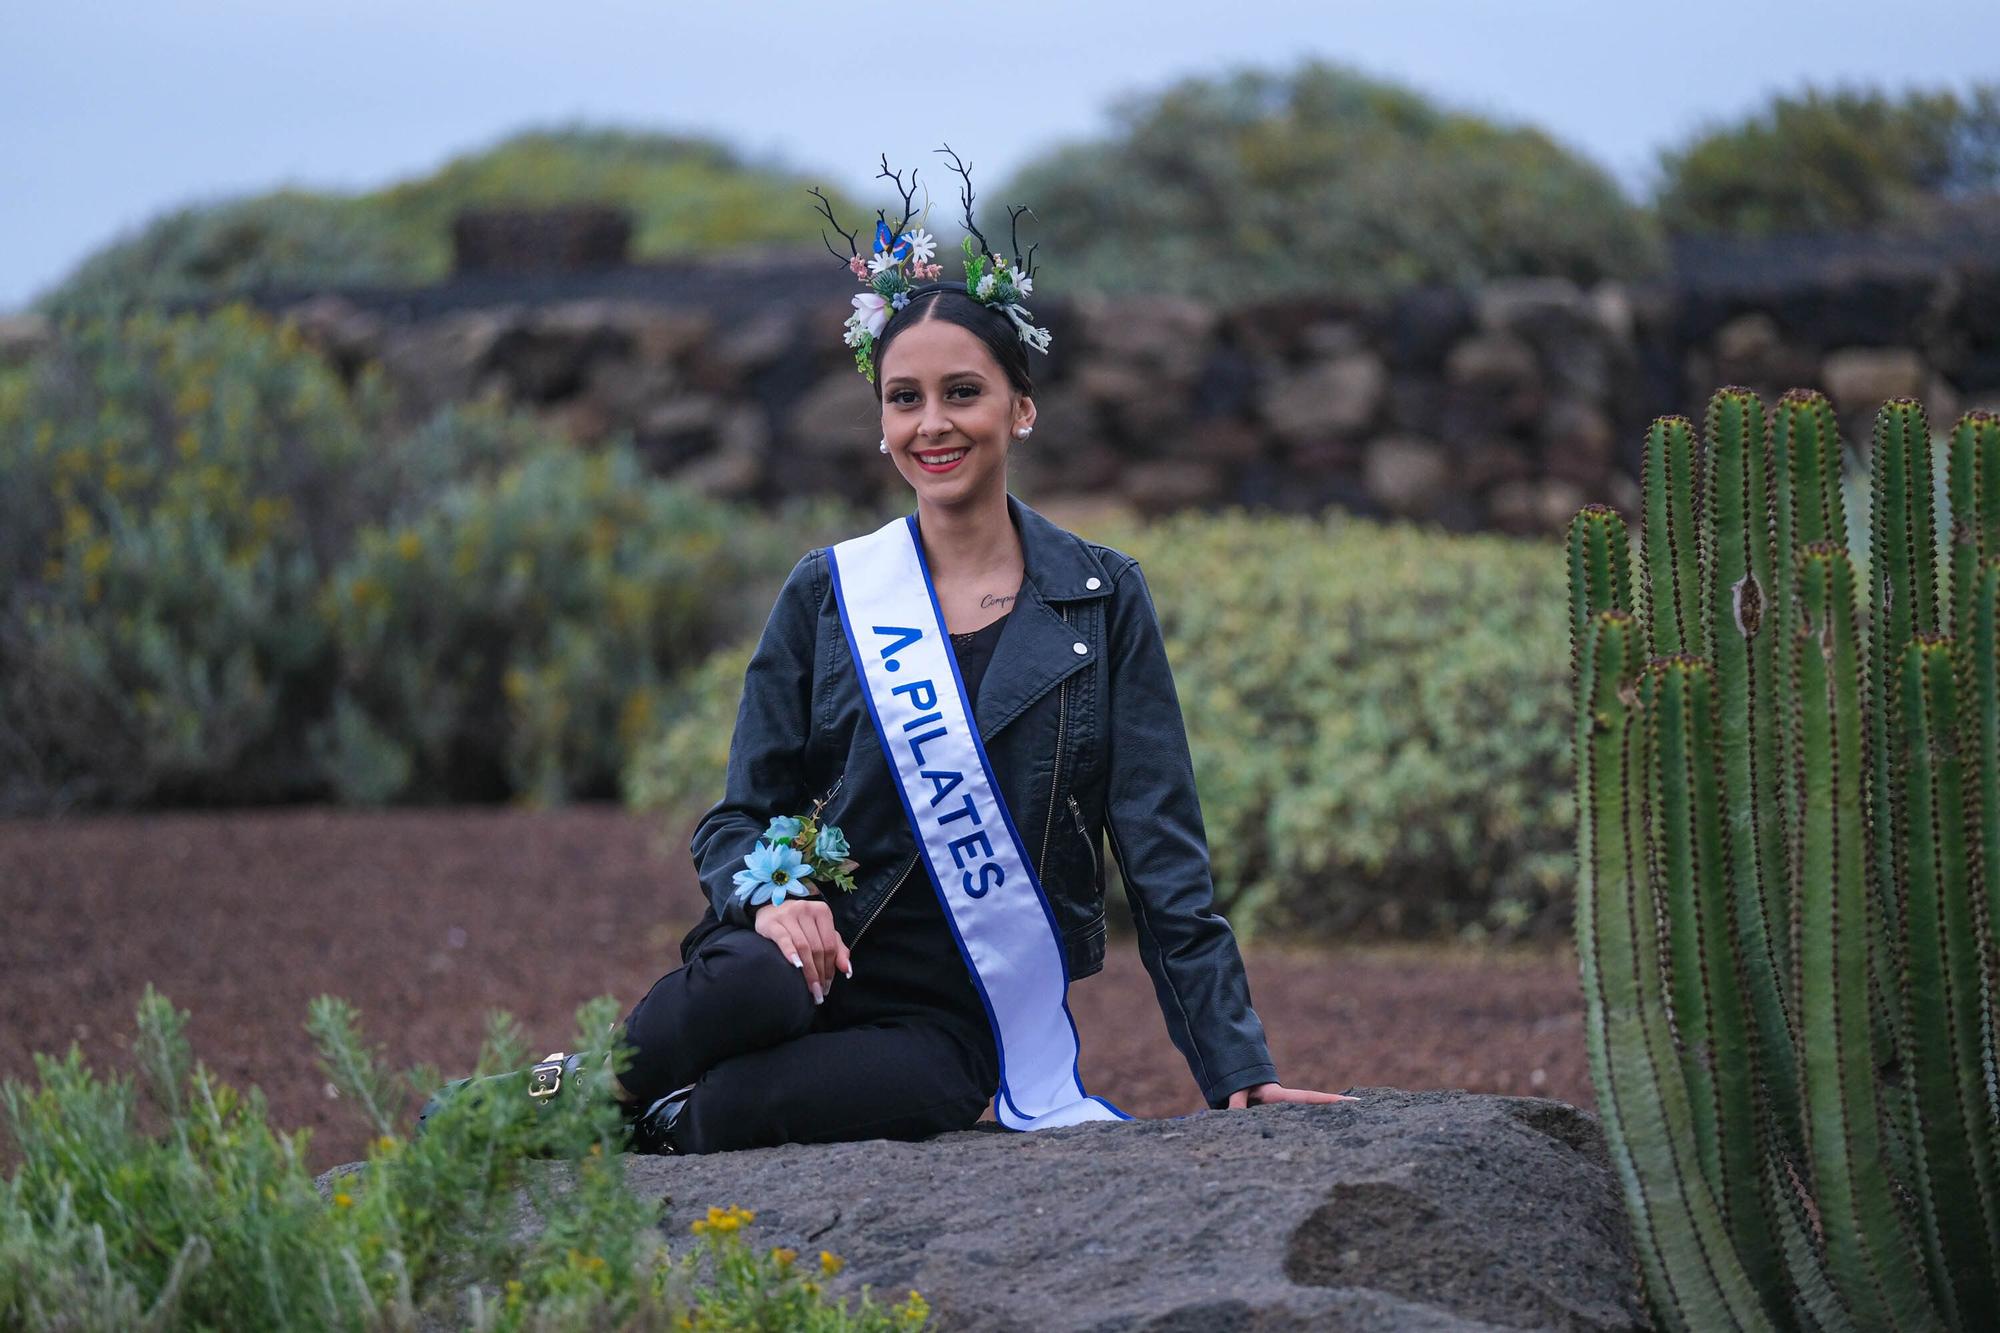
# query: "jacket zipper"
[[1076, 812], [1055, 774], [885, 899]]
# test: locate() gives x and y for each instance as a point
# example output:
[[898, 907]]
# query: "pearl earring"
[[1023, 431], [885, 444]]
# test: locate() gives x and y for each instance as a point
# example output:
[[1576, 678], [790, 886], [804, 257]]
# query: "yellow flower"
[[343, 1200], [192, 399], [784, 1255], [830, 1263], [366, 592], [386, 1143], [409, 546]]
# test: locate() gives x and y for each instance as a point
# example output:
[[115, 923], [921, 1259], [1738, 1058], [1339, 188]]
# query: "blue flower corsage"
[[794, 855]]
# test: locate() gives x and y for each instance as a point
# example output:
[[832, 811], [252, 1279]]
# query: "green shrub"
[[227, 578], [1259, 184], [177, 489], [214, 1221], [687, 195], [233, 247], [159, 551], [517, 637], [1379, 725], [1840, 160]]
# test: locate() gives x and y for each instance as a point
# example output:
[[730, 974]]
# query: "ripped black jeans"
[[770, 1066]]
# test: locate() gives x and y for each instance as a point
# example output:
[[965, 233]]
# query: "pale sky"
[[113, 112]]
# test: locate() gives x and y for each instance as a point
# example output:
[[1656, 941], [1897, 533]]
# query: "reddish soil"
[[428, 919]]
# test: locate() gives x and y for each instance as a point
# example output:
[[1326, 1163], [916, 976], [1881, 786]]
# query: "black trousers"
[[770, 1066]]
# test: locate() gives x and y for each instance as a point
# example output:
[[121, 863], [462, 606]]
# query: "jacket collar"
[[1036, 649], [1061, 565]]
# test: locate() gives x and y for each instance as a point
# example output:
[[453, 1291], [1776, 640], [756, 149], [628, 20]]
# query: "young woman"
[[901, 1008]]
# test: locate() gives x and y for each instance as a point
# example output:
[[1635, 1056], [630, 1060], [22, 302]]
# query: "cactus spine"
[[1789, 870]]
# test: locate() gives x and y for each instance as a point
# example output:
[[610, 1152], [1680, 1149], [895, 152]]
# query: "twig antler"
[[1014, 212], [909, 198], [826, 209], [964, 170]]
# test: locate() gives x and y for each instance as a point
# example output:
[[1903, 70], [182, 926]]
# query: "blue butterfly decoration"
[[884, 237]]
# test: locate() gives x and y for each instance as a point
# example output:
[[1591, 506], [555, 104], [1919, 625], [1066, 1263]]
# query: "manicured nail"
[[795, 960], [849, 972], [819, 996]]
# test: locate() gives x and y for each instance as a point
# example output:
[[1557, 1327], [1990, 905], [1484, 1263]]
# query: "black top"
[[908, 949]]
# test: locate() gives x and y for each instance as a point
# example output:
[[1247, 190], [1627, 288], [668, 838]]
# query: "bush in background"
[[687, 195], [1379, 727], [1261, 184], [225, 577], [517, 637], [175, 490], [1842, 160]]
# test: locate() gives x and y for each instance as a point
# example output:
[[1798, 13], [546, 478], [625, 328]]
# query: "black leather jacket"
[[1083, 727]]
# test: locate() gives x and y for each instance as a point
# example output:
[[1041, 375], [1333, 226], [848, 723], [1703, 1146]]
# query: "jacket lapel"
[[1036, 648]]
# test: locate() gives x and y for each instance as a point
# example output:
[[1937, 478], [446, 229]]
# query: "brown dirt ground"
[[427, 919]]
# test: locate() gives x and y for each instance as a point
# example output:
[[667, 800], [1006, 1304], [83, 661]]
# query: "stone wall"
[[1505, 406]]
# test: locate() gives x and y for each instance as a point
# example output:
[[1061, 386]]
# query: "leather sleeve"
[[1154, 818], [766, 774]]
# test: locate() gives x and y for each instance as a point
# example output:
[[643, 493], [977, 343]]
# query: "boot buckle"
[[545, 1079]]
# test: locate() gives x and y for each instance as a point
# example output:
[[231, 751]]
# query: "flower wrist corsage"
[[794, 855]]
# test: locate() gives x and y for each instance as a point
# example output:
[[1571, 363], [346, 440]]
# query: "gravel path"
[[427, 918]]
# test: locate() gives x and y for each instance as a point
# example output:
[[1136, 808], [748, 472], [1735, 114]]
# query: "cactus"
[[1788, 795]]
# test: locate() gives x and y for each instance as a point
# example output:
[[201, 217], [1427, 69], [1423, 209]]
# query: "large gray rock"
[[1424, 1210]]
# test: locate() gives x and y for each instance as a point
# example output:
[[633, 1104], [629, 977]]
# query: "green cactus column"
[[1742, 608], [1692, 1272], [1670, 544], [1871, 1254], [1942, 994]]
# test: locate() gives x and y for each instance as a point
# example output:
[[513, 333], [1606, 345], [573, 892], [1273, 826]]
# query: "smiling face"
[[944, 397]]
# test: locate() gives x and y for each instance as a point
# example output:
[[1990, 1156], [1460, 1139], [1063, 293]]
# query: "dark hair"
[[952, 303]]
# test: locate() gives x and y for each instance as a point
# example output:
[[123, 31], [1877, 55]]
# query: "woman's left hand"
[[1278, 1092]]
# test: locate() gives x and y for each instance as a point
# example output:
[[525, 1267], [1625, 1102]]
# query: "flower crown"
[[902, 254]]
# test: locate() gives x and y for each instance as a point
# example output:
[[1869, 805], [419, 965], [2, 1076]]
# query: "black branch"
[[826, 210]]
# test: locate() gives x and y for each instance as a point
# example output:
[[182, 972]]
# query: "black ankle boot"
[[657, 1129]]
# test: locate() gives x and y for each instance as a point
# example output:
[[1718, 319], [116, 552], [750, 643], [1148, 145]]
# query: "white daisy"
[[986, 285], [923, 245], [1023, 284], [882, 261]]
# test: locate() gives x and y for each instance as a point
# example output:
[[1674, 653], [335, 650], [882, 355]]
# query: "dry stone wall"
[[1503, 406]]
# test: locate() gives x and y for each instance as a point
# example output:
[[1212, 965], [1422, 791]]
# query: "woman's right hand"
[[802, 928]]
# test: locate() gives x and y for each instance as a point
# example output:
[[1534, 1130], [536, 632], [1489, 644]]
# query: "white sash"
[[998, 913]]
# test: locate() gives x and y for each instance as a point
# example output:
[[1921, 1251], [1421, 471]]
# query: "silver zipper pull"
[[1076, 812]]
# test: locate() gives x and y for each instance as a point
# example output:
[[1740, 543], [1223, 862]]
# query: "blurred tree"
[[1848, 159], [1257, 183], [686, 195]]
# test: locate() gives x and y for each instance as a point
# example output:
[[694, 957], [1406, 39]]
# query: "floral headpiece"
[[902, 254]]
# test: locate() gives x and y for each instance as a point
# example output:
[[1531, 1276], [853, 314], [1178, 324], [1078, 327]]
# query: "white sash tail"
[[970, 847]]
